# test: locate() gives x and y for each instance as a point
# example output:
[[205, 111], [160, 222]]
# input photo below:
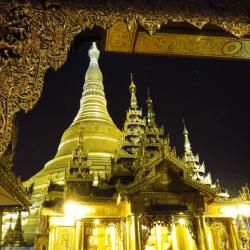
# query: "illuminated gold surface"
[[95, 224], [120, 39], [100, 135], [191, 45]]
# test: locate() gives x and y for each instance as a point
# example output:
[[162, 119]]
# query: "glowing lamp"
[[182, 221], [229, 211], [97, 221], [73, 211], [244, 210]]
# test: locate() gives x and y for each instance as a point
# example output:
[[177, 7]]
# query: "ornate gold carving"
[[182, 44], [8, 180], [245, 193], [41, 242], [243, 234], [120, 37], [7, 159], [33, 43], [37, 35], [220, 235], [232, 48], [65, 238], [148, 221]]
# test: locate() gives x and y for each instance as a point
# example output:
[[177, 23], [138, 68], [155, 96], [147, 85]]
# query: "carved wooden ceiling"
[[37, 35], [179, 41]]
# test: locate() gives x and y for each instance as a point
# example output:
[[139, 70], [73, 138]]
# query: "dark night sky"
[[212, 96]]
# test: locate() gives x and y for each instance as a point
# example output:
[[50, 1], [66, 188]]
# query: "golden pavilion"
[[128, 189]]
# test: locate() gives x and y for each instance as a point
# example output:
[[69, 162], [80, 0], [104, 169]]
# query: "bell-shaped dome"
[[99, 133]]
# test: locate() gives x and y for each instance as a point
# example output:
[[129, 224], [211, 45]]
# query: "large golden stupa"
[[100, 135]]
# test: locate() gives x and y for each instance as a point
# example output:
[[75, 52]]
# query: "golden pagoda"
[[129, 190], [100, 135]]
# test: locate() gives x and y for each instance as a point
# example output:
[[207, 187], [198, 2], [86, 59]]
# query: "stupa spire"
[[8, 236], [14, 237], [187, 146], [17, 236], [132, 89], [93, 102], [150, 114], [134, 125]]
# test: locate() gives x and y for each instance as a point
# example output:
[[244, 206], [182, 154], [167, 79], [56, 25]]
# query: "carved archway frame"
[[36, 35]]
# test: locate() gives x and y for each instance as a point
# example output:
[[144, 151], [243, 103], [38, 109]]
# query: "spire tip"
[[132, 89], [149, 100], [94, 53], [185, 131]]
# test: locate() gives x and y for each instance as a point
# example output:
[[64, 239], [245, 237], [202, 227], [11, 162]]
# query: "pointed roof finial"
[[132, 89], [185, 132], [94, 53], [187, 145], [151, 114], [148, 94], [132, 86]]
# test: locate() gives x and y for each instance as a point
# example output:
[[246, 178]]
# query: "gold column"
[[174, 236], [158, 236], [204, 229], [232, 238], [123, 244], [113, 234], [202, 245], [52, 232], [138, 231], [135, 233], [235, 233], [128, 237], [79, 239], [1, 225], [183, 237]]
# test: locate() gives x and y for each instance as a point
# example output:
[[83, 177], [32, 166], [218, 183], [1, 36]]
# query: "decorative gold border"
[[191, 45]]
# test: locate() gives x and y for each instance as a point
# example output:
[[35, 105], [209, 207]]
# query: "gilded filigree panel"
[[193, 45]]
